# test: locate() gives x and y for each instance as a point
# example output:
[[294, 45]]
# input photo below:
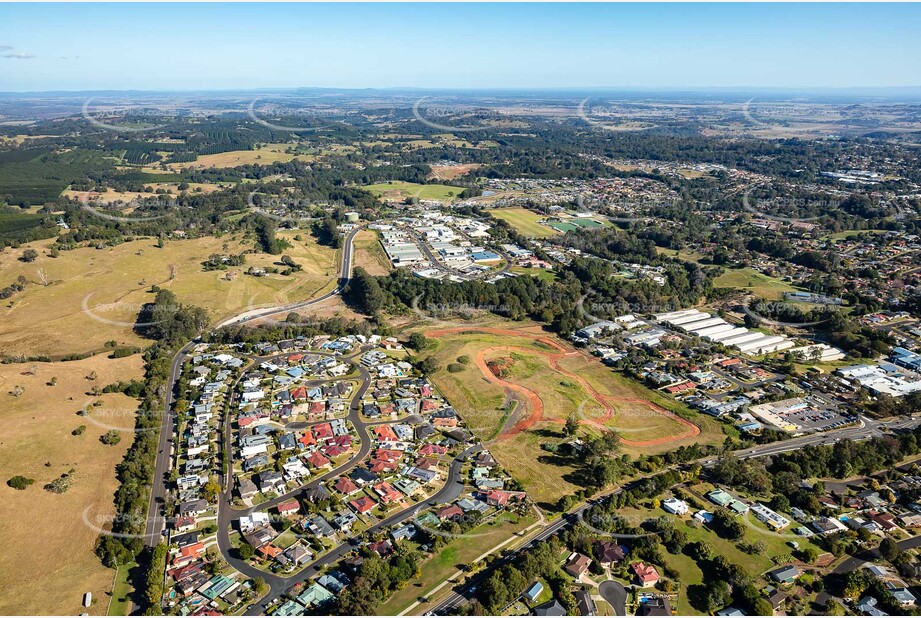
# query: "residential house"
[[646, 574]]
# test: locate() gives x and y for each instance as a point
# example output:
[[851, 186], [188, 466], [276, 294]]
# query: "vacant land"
[[48, 544], [369, 254], [397, 190], [688, 255], [524, 221], [519, 385], [83, 298], [450, 172], [751, 280]]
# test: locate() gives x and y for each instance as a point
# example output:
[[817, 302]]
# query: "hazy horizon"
[[520, 47]]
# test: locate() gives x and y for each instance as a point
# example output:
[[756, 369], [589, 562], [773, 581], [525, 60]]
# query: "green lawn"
[[750, 279], [121, 591], [525, 221], [546, 274], [397, 189], [688, 255]]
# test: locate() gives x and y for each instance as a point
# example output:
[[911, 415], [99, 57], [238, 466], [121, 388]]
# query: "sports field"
[[47, 562], [569, 225], [519, 385], [397, 190], [78, 301], [525, 221]]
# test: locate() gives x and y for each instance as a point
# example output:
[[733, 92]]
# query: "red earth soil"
[[537, 405]]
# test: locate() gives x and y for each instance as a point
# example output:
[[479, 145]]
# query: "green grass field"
[[121, 591], [524, 221], [569, 225], [753, 281], [399, 190], [541, 273]]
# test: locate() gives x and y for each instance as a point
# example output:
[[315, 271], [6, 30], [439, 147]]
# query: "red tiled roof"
[[345, 485], [317, 460], [645, 572], [291, 506], [363, 504]]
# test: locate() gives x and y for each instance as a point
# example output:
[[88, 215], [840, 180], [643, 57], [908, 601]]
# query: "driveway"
[[614, 593]]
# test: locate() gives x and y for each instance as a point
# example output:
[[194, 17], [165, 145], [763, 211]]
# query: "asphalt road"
[[156, 520], [614, 593], [345, 274], [869, 428], [452, 489]]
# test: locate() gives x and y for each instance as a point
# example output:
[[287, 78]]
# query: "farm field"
[[397, 190], [266, 155], [126, 196], [114, 283], [518, 387], [369, 254], [47, 544], [524, 221], [753, 281]]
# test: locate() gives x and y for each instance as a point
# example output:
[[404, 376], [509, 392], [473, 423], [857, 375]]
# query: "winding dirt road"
[[536, 404]]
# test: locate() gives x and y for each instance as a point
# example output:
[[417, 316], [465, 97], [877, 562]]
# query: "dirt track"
[[536, 414]]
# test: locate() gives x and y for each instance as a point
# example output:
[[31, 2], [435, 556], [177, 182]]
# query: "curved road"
[[156, 521], [345, 274]]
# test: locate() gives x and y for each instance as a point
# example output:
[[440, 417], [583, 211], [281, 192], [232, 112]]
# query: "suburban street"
[[156, 522], [453, 487], [868, 429]]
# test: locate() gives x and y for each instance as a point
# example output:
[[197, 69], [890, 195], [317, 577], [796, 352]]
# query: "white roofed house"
[[676, 506]]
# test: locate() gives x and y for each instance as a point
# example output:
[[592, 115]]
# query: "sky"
[[251, 46]]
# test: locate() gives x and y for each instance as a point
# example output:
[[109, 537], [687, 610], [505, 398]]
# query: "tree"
[[418, 341], [153, 592], [889, 549], [429, 365], [20, 482], [364, 292], [29, 255], [572, 425], [247, 551], [211, 491], [111, 437]]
